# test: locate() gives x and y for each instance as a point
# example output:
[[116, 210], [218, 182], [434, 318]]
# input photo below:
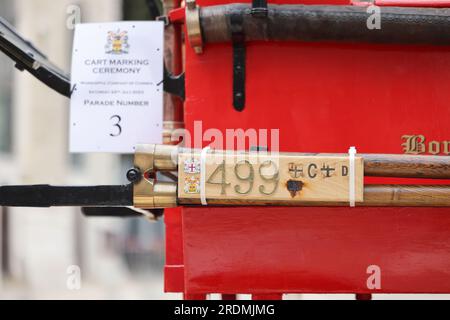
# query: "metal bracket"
[[238, 39], [173, 84], [153, 8], [29, 58], [164, 19], [259, 8], [194, 31], [148, 192]]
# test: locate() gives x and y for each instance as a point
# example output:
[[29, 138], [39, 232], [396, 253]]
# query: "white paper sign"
[[117, 98]]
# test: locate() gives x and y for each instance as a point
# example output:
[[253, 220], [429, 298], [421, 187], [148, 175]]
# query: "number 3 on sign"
[[116, 123]]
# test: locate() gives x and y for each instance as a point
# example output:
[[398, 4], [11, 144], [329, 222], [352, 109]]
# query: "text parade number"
[[244, 171]]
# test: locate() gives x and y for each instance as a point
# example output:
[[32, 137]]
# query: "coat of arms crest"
[[117, 42], [192, 184]]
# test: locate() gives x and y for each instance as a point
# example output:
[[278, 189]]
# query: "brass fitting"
[[168, 128], [194, 31], [147, 192], [156, 157]]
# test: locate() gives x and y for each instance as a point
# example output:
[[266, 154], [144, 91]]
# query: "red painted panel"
[[172, 220], [325, 97], [173, 278], [267, 297], [414, 3], [174, 268], [293, 250]]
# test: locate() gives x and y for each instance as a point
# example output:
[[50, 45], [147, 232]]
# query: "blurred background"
[[117, 258]]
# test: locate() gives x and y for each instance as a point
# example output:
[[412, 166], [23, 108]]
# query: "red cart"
[[323, 97]]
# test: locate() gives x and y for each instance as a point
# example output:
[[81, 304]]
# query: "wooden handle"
[[400, 165], [374, 196], [407, 195], [406, 166]]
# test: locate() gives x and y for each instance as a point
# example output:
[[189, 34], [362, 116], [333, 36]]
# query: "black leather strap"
[[47, 196], [238, 40]]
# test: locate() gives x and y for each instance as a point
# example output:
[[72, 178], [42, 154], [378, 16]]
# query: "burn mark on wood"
[[294, 186]]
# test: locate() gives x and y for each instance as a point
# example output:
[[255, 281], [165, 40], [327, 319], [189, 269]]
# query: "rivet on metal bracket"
[[259, 8], [238, 39]]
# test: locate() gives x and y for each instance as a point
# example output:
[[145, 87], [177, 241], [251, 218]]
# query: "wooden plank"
[[265, 177], [375, 195]]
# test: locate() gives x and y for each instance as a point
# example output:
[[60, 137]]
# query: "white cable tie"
[[352, 177], [203, 175]]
